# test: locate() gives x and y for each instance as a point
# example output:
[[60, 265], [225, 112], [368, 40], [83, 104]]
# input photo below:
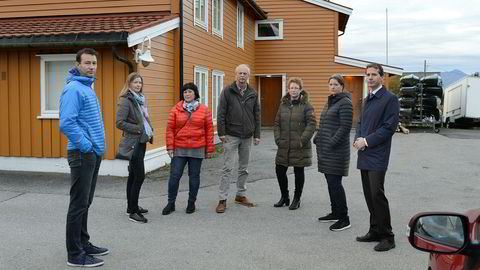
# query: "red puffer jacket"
[[195, 132]]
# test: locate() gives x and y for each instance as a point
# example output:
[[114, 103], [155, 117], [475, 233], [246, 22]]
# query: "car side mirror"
[[445, 233]]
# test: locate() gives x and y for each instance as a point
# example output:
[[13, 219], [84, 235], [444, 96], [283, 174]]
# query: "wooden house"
[[190, 40]]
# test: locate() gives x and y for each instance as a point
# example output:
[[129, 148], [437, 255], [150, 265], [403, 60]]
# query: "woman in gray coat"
[[294, 127], [333, 150], [133, 119]]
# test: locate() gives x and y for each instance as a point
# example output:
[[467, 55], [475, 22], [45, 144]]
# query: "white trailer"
[[462, 101]]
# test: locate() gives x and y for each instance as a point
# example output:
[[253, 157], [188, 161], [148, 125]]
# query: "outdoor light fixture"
[[144, 56]]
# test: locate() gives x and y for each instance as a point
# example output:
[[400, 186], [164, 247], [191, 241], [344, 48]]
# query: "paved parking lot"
[[428, 172]]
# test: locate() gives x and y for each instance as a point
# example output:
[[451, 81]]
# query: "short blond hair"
[[296, 80]]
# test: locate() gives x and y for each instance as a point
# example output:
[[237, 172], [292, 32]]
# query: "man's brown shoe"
[[244, 201], [222, 204]]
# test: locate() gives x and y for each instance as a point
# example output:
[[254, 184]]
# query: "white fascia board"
[[331, 6], [363, 64], [151, 32]]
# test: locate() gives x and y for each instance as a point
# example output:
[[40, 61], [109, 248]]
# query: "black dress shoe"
[[283, 201], [385, 244], [168, 209], [295, 204], [369, 237]]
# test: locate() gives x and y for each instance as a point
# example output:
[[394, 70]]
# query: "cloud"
[[445, 33]]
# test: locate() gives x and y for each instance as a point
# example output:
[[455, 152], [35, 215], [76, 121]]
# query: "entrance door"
[[354, 84], [270, 99]]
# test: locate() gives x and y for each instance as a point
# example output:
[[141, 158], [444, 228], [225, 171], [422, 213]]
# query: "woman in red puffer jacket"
[[189, 139]]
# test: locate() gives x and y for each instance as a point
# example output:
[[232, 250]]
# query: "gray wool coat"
[[333, 136], [293, 130]]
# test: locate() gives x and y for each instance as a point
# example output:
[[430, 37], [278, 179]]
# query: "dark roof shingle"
[[84, 24]]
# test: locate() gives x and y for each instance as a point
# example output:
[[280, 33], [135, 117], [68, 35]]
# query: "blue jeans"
[[176, 172], [338, 200], [83, 173]]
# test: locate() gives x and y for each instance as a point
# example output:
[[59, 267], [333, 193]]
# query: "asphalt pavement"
[[428, 172]]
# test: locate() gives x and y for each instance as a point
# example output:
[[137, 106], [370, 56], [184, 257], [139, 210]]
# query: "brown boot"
[[222, 204], [244, 201]]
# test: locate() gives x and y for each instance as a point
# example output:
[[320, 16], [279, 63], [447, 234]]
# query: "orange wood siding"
[[34, 8], [160, 84], [203, 48], [22, 133], [307, 49]]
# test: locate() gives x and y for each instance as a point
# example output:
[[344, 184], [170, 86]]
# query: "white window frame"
[[240, 25], [280, 29], [44, 113], [199, 22], [202, 70], [219, 87], [218, 32]]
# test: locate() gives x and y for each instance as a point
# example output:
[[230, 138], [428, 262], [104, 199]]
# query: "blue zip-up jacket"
[[80, 115], [377, 125]]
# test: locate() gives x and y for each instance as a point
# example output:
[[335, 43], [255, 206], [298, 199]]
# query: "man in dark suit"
[[373, 141]]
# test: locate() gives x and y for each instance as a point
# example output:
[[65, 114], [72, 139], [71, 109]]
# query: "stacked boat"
[[420, 98]]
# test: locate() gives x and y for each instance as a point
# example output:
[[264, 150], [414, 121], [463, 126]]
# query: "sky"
[[445, 33]]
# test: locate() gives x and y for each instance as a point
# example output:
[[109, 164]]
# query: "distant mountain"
[[450, 77]]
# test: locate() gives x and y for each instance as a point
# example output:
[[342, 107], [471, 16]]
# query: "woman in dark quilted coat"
[[333, 149], [294, 127]]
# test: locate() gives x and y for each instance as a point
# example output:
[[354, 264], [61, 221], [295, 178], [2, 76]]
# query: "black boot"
[[284, 200], [190, 207], [169, 208], [295, 203]]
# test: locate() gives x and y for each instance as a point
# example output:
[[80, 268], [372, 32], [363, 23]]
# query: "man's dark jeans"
[[136, 176], [338, 200], [83, 172], [176, 172]]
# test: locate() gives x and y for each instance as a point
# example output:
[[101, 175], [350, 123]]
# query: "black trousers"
[[83, 173], [377, 203], [283, 179], [338, 200], [136, 176]]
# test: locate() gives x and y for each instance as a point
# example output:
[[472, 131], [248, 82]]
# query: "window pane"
[[197, 9], [202, 10], [55, 76], [197, 79], [268, 29], [214, 97]]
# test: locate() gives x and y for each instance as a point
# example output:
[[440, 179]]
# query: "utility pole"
[[386, 33]]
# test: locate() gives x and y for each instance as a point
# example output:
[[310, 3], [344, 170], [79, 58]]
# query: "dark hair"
[[338, 78], [83, 51], [190, 86], [376, 66]]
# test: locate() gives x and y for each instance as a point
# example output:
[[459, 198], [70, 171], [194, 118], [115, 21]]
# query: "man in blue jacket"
[[373, 141], [81, 121]]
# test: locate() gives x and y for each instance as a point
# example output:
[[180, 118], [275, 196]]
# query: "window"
[[217, 17], [269, 30], [201, 13], [201, 80], [217, 86], [240, 20], [53, 74]]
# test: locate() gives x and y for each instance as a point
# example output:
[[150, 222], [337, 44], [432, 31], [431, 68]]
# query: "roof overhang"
[[343, 11], [150, 32], [363, 64], [261, 14], [127, 29]]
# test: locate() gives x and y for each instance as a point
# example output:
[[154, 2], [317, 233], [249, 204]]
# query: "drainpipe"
[[181, 43], [121, 59]]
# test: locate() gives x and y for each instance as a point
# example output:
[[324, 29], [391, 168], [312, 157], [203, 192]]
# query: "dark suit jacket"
[[377, 125]]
